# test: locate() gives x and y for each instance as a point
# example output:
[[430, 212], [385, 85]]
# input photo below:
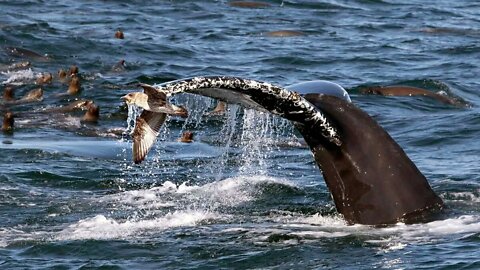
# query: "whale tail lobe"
[[371, 179]]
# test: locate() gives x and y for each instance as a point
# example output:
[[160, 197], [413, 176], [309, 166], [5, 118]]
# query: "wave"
[[225, 193], [101, 227]]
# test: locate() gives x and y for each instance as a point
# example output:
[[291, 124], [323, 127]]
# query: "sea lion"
[[371, 179], [74, 85], [119, 34], [248, 4], [74, 106], [285, 33], [120, 66], [14, 66], [73, 70], [452, 31], [45, 78], [92, 114], [187, 137], [32, 96], [62, 75], [400, 90], [8, 121], [8, 93], [24, 53], [155, 109], [219, 109]]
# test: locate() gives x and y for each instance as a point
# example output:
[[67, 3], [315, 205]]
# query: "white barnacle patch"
[[249, 87], [296, 112]]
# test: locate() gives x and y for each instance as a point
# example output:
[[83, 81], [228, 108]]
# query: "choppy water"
[[239, 196]]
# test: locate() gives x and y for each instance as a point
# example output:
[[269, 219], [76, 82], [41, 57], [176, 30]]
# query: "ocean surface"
[[246, 193]]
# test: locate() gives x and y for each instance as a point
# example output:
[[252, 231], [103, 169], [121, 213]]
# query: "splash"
[[226, 137], [213, 196], [260, 134], [101, 227], [20, 77], [133, 113]]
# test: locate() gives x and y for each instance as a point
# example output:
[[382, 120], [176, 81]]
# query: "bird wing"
[[145, 133], [153, 92]]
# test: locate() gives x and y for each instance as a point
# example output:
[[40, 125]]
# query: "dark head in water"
[[187, 137], [74, 85], [8, 121], [92, 114], [9, 93], [371, 179], [119, 34], [73, 70], [45, 78]]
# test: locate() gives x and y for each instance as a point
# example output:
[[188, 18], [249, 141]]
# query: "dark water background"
[[239, 196]]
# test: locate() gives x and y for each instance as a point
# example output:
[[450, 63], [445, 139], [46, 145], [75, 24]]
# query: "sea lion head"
[[73, 70], [119, 34], [187, 137], [92, 115], [45, 78], [372, 90], [8, 121], [74, 86], [8, 93], [62, 74], [120, 66], [81, 104]]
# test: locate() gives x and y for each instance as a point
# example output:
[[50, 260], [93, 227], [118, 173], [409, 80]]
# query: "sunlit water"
[[245, 193]]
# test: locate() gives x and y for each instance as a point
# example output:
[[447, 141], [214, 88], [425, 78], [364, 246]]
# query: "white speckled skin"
[[275, 99]]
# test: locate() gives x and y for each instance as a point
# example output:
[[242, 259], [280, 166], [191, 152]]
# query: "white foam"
[[227, 192], [19, 77], [396, 237], [327, 221], [447, 227], [101, 227], [10, 235], [466, 196]]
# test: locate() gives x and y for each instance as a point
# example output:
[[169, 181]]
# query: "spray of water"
[[226, 138], [133, 113]]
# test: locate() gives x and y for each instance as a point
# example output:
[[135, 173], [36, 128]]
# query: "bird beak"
[[126, 99]]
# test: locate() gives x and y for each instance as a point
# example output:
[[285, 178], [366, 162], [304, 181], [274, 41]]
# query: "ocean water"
[[245, 194]]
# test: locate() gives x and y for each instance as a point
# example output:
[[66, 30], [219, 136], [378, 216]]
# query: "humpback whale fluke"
[[257, 95], [371, 179]]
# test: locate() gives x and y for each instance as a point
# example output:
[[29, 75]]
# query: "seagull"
[[155, 109]]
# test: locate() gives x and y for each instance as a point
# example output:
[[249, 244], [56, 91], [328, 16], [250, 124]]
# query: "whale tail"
[[370, 177]]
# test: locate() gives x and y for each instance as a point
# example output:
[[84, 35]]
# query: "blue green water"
[[244, 195]]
